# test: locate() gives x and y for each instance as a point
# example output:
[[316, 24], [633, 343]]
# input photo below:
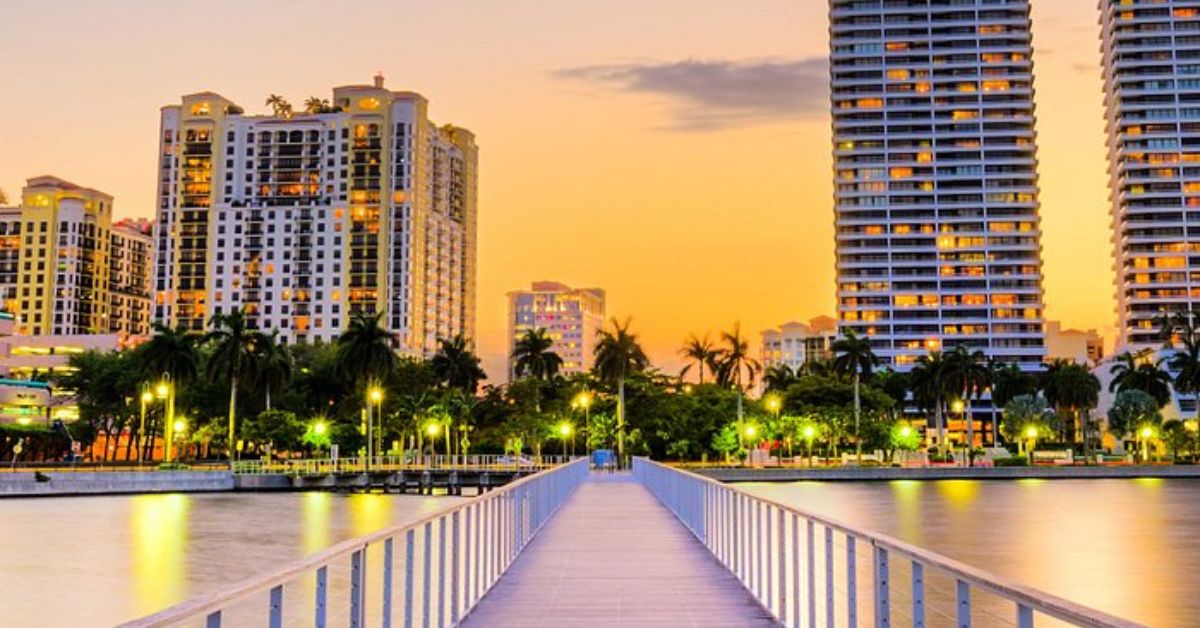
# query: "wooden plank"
[[614, 556]]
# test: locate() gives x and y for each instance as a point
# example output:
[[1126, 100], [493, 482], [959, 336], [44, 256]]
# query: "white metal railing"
[[775, 551], [325, 466], [460, 554]]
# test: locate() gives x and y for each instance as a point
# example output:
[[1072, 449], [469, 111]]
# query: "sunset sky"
[[675, 152]]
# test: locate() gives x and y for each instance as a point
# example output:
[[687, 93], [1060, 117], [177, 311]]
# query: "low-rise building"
[[570, 316], [1084, 347], [795, 344]]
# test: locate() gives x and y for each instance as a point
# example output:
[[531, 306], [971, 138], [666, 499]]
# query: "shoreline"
[[886, 474]]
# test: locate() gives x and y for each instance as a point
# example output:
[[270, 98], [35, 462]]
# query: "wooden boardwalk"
[[614, 556]]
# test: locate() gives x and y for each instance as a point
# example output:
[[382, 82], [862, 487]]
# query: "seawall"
[[884, 474], [22, 484]]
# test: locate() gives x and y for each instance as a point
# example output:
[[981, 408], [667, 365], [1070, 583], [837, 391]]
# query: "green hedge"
[[1015, 461]]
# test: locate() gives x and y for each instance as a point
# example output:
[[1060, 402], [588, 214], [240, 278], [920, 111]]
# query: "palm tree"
[[1186, 364], [234, 345], [1165, 322], [533, 355], [279, 105], [1139, 372], [172, 352], [854, 359], [733, 359], [701, 353], [618, 354], [272, 365], [456, 365], [365, 350], [1072, 387], [968, 375], [930, 388], [315, 105], [778, 377]]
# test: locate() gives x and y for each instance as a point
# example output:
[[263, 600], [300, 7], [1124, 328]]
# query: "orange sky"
[[674, 153]]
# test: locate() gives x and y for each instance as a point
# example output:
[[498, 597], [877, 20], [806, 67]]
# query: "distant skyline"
[[681, 148]]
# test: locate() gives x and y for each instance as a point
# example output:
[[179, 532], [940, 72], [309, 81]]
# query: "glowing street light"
[[584, 400], [179, 425], [958, 406], [905, 431], [374, 398], [809, 433], [319, 428], [162, 390], [564, 431]]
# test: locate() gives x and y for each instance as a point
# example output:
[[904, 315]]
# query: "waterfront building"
[[67, 269], [1083, 347], [795, 344], [936, 190], [570, 316], [1151, 58], [301, 218]]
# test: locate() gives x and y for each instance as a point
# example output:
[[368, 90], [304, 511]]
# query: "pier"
[[658, 547]]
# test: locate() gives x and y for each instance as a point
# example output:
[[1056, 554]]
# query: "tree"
[[1009, 381], [856, 359], [700, 353], [233, 347], [1134, 411], [1177, 437], [618, 354], [1186, 364], [171, 352], [1072, 389], [1140, 372], [931, 388], [733, 360], [272, 365], [456, 365], [278, 428], [365, 350], [314, 105], [778, 377], [533, 355], [1025, 418], [280, 106], [967, 374]]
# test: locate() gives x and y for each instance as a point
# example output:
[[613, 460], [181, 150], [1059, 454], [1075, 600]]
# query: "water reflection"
[[159, 534], [98, 561], [1128, 547]]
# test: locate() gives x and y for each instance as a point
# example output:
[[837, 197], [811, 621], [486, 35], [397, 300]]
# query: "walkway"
[[614, 556]]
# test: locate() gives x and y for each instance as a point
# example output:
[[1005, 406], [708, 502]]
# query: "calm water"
[[96, 561], [1129, 547]]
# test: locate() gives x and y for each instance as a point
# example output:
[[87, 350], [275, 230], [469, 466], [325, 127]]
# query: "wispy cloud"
[[711, 95]]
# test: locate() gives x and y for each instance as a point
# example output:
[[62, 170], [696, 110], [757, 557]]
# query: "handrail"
[[471, 462], [515, 513], [716, 512]]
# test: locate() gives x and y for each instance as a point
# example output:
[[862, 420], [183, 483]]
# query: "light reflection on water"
[[1129, 547], [97, 561]]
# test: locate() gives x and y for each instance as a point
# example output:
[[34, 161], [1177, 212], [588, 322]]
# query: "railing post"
[[918, 594], [455, 598], [409, 551], [357, 584], [963, 596], [1024, 616], [882, 610], [829, 590], [796, 570], [781, 564], [851, 583], [213, 620], [441, 596], [276, 618], [811, 555], [321, 597], [387, 582]]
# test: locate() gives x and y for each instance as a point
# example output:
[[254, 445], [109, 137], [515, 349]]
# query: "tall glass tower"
[[1152, 97], [935, 175]]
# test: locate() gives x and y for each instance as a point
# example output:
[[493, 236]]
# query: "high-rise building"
[[1076, 345], [795, 344], [66, 269], [936, 184], [570, 316], [1151, 57], [301, 218]]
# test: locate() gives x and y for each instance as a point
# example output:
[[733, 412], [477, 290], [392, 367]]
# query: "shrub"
[[1014, 461], [173, 466]]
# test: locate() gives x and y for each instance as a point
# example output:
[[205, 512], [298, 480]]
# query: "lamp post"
[[1031, 434], [166, 390], [374, 398], [147, 397], [1146, 433], [959, 408], [564, 431], [432, 431], [178, 426], [809, 433], [584, 400]]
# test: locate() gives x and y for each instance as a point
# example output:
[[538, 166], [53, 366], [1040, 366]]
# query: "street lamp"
[[432, 430], [564, 430], [1031, 434], [147, 397], [809, 432], [1146, 433], [374, 398], [178, 426], [584, 400], [166, 390]]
